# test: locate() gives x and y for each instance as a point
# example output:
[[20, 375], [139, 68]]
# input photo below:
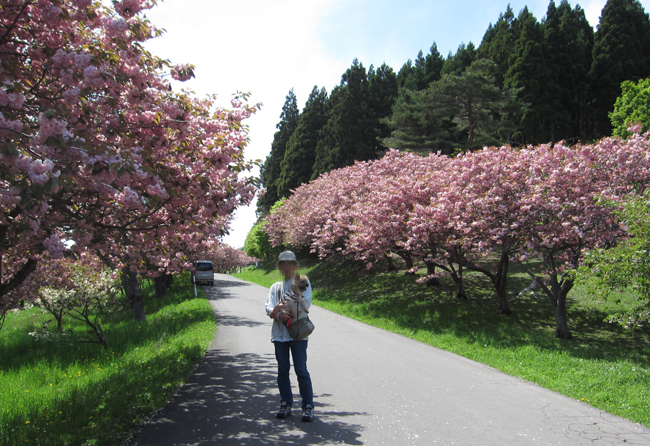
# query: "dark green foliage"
[[529, 71], [427, 69], [569, 43], [458, 63], [475, 102], [271, 169], [459, 111], [498, 42], [621, 52], [355, 107], [300, 155], [383, 92], [565, 82], [418, 126]]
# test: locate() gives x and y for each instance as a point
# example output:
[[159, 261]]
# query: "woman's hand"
[[284, 317]]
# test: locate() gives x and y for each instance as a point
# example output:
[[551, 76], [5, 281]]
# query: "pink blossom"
[[182, 72], [635, 127]]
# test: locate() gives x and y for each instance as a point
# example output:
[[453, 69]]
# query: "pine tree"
[[475, 101], [416, 126], [621, 52], [271, 169], [300, 155], [458, 111]]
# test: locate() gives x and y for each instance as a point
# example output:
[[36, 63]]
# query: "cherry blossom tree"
[[226, 260], [96, 148], [550, 202], [573, 195]]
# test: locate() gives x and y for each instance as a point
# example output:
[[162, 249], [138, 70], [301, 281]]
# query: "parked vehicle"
[[203, 272]]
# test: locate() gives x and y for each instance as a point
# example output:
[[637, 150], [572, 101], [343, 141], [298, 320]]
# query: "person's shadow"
[[232, 400]]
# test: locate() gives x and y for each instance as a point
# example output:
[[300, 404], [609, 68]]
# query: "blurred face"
[[287, 269]]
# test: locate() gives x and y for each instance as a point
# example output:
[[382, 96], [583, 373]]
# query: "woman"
[[284, 344]]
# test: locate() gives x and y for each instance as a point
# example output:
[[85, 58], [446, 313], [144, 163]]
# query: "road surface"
[[371, 387]]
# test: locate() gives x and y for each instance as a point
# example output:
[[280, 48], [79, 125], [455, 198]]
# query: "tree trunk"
[[162, 284], [431, 269], [133, 293], [58, 315], [407, 258], [561, 322], [501, 284], [391, 265]]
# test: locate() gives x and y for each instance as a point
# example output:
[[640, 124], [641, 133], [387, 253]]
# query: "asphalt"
[[371, 387]]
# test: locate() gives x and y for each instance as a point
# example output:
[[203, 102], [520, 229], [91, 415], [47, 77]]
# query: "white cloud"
[[592, 11], [259, 46]]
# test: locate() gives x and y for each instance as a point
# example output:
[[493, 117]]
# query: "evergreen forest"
[[529, 81]]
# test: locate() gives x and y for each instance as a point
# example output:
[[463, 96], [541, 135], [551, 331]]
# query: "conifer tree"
[[352, 126], [418, 75], [497, 43], [271, 169], [571, 60], [417, 126], [621, 52], [529, 72], [382, 84], [458, 63], [300, 155], [475, 102]]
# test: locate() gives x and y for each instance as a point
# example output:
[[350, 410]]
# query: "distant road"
[[371, 387]]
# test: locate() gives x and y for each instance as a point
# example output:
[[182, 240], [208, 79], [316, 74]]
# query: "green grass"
[[82, 394], [265, 276], [603, 365]]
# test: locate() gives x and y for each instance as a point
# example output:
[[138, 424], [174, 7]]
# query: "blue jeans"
[[299, 353]]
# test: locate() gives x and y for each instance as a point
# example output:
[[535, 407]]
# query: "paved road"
[[371, 387]]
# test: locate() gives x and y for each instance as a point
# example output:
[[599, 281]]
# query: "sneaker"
[[308, 414], [285, 410]]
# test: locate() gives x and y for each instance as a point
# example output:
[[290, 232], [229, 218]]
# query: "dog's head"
[[300, 283]]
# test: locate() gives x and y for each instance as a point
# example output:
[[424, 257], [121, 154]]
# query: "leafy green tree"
[[625, 266], [633, 106], [272, 167], [300, 155], [257, 243], [621, 52]]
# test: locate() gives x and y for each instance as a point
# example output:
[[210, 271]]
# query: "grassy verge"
[[82, 394], [603, 366]]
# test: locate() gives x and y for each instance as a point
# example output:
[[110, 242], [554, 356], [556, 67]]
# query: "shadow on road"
[[238, 321], [231, 400], [224, 289]]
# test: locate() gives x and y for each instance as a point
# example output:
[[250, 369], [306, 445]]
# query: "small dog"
[[294, 298]]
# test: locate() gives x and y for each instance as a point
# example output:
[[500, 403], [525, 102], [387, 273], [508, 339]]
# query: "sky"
[[267, 47]]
